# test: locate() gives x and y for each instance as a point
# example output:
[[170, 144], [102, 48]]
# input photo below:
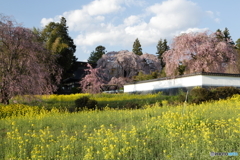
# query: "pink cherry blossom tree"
[[26, 67], [150, 63], [94, 81], [199, 52], [128, 64]]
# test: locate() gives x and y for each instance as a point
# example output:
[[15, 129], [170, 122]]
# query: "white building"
[[185, 82]]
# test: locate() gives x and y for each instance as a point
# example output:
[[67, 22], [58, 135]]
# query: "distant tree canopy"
[[137, 48], [57, 41], [117, 68], [97, 54], [128, 64], [224, 36], [162, 47], [199, 52], [26, 66]]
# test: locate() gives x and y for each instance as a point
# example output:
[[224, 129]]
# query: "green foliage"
[[161, 48], [132, 105], [141, 76], [97, 54], [224, 92], [198, 95], [57, 40], [137, 49], [85, 102], [14, 110], [181, 69], [181, 132], [224, 36]]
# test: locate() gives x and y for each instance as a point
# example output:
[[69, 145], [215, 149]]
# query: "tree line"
[[189, 53], [36, 61]]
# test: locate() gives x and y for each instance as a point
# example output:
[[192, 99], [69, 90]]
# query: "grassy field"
[[110, 100], [153, 132]]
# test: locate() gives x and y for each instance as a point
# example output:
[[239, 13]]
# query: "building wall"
[[171, 86], [221, 81]]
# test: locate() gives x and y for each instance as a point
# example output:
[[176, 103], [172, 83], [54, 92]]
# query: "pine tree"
[[97, 54], [161, 48], [137, 49], [224, 36], [58, 42]]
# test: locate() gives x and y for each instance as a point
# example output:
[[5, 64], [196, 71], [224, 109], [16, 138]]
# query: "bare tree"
[[26, 67], [199, 52]]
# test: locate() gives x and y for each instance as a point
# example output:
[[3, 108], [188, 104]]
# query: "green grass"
[[154, 132]]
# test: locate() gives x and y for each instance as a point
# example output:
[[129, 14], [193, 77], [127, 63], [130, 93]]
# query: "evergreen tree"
[[57, 41], [237, 47], [161, 48], [97, 54], [238, 44], [224, 36], [137, 49]]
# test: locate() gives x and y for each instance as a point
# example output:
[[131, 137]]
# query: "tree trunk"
[[4, 98], [5, 101]]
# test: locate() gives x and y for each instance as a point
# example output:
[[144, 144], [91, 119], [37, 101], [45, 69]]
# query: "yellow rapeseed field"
[[156, 132]]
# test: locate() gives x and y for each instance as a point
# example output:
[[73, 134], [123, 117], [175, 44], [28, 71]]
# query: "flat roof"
[[187, 75]]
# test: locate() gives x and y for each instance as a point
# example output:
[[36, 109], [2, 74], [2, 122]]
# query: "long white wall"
[[191, 81], [221, 81]]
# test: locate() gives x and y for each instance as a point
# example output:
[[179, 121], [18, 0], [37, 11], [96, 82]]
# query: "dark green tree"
[[237, 47], [58, 42], [97, 54], [137, 49], [224, 36], [161, 48], [219, 34]]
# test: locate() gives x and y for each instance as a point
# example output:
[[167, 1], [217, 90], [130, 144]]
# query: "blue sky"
[[116, 24]]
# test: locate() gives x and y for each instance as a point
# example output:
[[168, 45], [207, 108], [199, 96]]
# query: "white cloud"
[[95, 22], [45, 21], [175, 15], [101, 7], [214, 16], [189, 30], [132, 20]]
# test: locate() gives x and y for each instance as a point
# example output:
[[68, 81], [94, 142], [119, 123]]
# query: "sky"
[[116, 24]]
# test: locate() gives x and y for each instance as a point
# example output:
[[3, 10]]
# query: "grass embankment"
[[110, 100], [181, 132]]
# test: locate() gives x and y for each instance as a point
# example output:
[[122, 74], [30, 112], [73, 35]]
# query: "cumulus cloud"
[[214, 16], [189, 30], [175, 15], [101, 7], [45, 21], [166, 20], [95, 22], [131, 20]]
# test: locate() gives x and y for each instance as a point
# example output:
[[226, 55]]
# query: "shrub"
[[85, 102], [224, 92], [198, 95], [131, 105]]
